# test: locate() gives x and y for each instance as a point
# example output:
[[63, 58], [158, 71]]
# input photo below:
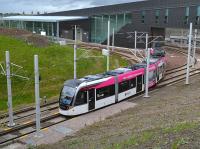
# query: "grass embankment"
[[56, 66], [174, 137]]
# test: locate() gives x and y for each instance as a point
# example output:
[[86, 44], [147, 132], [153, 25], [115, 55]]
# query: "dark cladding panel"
[[66, 29]]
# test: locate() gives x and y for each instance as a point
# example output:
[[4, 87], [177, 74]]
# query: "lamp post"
[[147, 69], [8, 75], [188, 59], [195, 45], [135, 42], [75, 47], [108, 47]]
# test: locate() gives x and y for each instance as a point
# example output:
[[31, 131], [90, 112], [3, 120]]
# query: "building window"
[[157, 16], [187, 13], [143, 16], [166, 16], [198, 16]]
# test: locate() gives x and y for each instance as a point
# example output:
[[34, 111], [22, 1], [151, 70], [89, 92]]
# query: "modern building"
[[157, 17]]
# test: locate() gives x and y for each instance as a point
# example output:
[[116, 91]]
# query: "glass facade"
[[35, 27], [99, 26]]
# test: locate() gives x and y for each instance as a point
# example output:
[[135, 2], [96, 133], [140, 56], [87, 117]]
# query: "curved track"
[[51, 117]]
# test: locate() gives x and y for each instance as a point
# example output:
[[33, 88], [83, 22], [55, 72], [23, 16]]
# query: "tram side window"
[[81, 98], [133, 83], [123, 86], [105, 92], [151, 75]]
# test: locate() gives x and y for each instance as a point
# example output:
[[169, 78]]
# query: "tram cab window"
[[67, 95], [133, 83], [81, 98], [123, 86], [105, 92]]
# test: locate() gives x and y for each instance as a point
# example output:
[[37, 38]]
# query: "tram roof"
[[44, 18]]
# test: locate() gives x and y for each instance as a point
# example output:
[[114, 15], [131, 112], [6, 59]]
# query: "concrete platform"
[[15, 146], [69, 128]]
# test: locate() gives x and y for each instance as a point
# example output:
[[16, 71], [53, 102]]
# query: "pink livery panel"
[[122, 77], [126, 76], [130, 75], [110, 81], [152, 67]]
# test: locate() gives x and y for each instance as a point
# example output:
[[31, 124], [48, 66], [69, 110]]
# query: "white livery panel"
[[104, 102], [126, 94], [77, 110]]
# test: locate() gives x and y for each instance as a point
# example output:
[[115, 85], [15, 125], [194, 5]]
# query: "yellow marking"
[[27, 122], [45, 129], [56, 113], [7, 129], [23, 137]]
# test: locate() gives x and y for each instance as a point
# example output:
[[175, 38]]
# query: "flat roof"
[[44, 18]]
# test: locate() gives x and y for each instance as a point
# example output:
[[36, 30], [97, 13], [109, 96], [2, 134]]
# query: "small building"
[[47, 25]]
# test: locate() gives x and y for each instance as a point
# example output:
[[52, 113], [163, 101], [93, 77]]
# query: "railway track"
[[175, 70], [29, 112], [28, 109], [172, 79], [124, 52], [12, 134], [51, 117]]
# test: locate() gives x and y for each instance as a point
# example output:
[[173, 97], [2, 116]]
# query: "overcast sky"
[[52, 5]]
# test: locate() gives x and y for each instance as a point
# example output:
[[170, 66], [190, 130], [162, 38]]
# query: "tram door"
[[158, 74], [91, 99], [139, 84]]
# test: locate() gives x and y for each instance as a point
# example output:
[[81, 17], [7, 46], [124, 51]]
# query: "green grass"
[[179, 127], [133, 140], [155, 138], [155, 135], [56, 66]]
